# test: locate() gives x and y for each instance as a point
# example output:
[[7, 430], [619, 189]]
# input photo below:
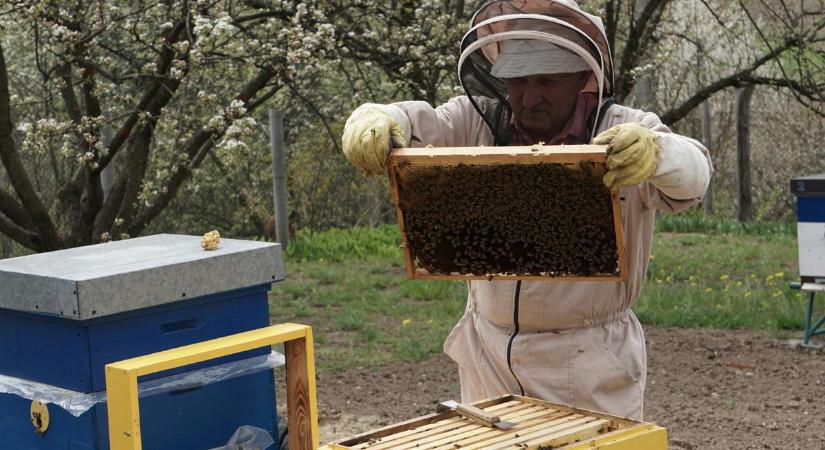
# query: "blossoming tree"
[[147, 89]]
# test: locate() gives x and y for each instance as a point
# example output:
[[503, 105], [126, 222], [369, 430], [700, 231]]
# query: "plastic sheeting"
[[248, 437], [77, 403]]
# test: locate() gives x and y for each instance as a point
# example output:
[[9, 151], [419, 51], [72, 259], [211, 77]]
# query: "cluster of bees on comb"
[[543, 219]]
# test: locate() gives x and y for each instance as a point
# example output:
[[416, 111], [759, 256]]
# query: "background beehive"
[[507, 212]]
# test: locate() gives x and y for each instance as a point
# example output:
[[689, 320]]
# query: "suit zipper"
[[513, 336]]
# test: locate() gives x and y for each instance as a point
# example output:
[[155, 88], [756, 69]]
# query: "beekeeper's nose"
[[533, 96]]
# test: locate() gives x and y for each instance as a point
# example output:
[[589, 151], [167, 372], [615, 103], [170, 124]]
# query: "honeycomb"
[[539, 219]]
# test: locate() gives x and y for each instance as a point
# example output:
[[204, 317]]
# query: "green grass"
[[351, 286], [722, 281], [695, 221]]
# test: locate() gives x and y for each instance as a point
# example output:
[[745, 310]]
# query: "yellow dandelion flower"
[[406, 322], [747, 294], [724, 277], [709, 290], [779, 274], [739, 283]]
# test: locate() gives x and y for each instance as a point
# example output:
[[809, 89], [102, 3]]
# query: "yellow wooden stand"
[[122, 376]]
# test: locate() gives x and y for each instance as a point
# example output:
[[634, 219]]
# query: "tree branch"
[[21, 235], [68, 93], [149, 94], [637, 44], [196, 150], [137, 159], [85, 180], [105, 219], [14, 210], [742, 78], [48, 239], [332, 136]]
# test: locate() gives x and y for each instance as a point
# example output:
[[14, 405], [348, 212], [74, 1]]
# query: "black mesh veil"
[[560, 23]]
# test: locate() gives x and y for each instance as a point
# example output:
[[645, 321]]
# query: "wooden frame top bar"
[[513, 154]]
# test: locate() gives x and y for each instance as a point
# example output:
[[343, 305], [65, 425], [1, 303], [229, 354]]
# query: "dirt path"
[[710, 389]]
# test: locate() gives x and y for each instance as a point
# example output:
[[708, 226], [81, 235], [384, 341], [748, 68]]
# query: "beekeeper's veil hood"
[[518, 38]]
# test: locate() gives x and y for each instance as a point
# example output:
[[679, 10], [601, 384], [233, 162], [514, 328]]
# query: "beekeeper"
[[541, 71]]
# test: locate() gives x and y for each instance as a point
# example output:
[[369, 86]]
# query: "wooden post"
[[276, 142], [300, 381], [743, 158]]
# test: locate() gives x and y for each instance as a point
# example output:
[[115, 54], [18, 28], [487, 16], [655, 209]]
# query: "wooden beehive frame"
[[302, 402], [453, 156], [539, 424]]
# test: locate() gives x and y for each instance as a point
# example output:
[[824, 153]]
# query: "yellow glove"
[[631, 154], [366, 139]]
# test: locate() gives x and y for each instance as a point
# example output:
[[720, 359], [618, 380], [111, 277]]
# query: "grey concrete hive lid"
[[98, 280]]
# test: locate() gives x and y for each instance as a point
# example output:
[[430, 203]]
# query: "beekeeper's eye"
[[547, 81], [518, 81]]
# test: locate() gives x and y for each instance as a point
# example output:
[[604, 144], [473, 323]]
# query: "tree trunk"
[[5, 241], [643, 89], [458, 9], [743, 159], [706, 138]]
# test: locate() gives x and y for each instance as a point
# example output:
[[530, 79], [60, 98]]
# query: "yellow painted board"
[[646, 437], [124, 416], [215, 348], [122, 377]]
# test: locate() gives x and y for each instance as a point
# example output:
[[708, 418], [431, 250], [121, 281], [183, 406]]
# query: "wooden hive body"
[[537, 212], [539, 425]]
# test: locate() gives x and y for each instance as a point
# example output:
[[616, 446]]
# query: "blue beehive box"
[[810, 213], [64, 315]]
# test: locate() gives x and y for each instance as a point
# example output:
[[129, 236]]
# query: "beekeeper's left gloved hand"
[[631, 154]]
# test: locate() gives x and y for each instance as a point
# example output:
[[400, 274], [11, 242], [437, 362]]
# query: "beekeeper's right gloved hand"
[[631, 154], [368, 133]]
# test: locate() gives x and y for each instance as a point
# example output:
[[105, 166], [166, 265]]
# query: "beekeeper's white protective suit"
[[577, 343]]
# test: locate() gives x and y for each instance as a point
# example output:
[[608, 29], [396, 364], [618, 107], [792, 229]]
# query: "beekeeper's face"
[[544, 103]]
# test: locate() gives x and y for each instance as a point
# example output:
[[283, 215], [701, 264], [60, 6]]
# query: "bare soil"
[[710, 389]]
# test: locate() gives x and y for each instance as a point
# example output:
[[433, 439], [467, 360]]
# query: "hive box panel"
[[195, 417], [538, 212], [71, 354], [538, 425]]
